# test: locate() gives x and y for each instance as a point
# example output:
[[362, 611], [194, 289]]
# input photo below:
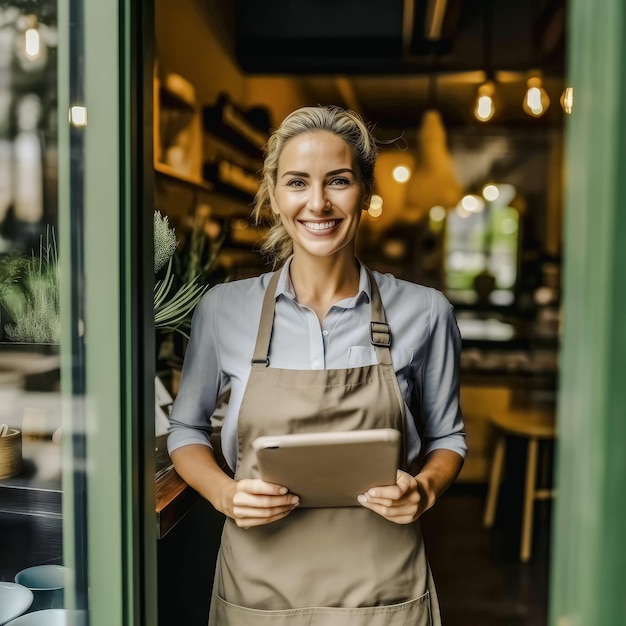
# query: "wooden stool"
[[534, 425]]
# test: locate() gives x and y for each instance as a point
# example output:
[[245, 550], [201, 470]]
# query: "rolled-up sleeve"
[[441, 413], [200, 379]]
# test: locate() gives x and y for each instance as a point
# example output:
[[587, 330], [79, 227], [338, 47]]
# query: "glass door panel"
[[77, 521], [42, 459]]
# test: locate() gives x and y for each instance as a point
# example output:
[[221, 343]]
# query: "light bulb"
[[31, 48], [401, 173], [567, 100], [461, 211], [376, 206], [437, 213], [491, 192], [536, 100], [472, 203], [485, 107], [78, 116], [437, 216]]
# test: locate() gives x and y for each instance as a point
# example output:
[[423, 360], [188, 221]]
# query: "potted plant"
[[29, 286], [182, 277], [29, 294]]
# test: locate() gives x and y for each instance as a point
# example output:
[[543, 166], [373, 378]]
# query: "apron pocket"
[[415, 612], [366, 355]]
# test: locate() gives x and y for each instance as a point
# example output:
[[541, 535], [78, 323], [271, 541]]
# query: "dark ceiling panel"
[[307, 35], [366, 36]]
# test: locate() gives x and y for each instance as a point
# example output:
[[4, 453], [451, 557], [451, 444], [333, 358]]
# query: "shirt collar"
[[285, 286]]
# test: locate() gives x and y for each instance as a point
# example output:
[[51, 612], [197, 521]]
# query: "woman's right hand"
[[250, 501], [254, 502]]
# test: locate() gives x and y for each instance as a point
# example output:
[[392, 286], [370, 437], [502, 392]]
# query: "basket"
[[11, 453]]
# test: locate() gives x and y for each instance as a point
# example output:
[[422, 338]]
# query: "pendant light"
[[485, 108], [434, 181], [31, 49], [536, 100], [567, 100]]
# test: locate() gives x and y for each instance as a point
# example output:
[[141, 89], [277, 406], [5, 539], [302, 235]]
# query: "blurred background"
[[468, 99]]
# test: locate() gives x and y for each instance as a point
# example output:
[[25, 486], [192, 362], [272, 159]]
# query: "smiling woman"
[[327, 323], [343, 135], [320, 198]]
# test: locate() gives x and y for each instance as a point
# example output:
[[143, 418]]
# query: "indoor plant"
[[177, 293], [29, 294]]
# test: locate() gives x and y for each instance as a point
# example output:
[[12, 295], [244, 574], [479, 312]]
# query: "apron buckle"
[[265, 361], [380, 334]]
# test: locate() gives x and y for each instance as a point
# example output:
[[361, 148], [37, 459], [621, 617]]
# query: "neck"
[[321, 282]]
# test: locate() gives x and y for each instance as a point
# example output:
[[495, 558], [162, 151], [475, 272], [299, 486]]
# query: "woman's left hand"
[[401, 503]]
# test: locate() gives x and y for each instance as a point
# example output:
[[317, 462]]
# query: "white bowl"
[[14, 600], [42, 577], [47, 582], [51, 617]]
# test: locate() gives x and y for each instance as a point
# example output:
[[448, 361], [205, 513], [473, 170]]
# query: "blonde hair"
[[347, 125]]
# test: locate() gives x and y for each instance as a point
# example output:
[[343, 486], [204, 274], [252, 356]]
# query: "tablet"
[[330, 469]]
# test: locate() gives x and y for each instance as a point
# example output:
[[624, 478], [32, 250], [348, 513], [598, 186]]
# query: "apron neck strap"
[[380, 334], [261, 356]]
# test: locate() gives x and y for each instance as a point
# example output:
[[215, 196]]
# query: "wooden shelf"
[[228, 122], [177, 98], [191, 181]]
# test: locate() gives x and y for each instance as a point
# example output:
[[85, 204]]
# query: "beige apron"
[[330, 566]]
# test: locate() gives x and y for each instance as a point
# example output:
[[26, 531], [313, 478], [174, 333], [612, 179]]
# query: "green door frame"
[[105, 64], [589, 558]]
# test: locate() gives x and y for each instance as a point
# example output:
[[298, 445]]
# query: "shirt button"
[[316, 363], [325, 333]]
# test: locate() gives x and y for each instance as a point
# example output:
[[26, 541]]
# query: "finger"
[[396, 514], [261, 513], [255, 501], [384, 495], [409, 501], [249, 522], [256, 485], [404, 483]]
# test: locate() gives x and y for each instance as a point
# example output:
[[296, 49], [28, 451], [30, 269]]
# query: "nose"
[[317, 199]]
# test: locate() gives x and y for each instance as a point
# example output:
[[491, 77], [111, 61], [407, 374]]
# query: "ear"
[[271, 192]]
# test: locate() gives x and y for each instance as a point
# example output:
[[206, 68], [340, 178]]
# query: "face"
[[318, 194]]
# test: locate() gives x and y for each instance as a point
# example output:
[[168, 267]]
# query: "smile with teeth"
[[320, 226]]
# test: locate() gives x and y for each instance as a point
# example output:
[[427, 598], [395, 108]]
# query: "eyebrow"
[[342, 170]]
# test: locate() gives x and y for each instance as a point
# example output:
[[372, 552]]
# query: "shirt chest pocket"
[[359, 356]]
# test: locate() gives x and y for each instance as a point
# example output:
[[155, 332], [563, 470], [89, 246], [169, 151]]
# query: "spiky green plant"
[[29, 292], [172, 312], [30, 296], [12, 270], [173, 306], [164, 241]]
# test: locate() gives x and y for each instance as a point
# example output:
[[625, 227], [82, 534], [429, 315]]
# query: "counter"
[[174, 498]]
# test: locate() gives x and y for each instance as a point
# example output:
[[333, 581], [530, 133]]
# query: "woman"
[[297, 349]]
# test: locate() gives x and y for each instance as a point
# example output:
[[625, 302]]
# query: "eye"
[[295, 182], [340, 181]]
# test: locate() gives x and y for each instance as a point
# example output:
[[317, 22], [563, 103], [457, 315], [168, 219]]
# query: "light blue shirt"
[[425, 349]]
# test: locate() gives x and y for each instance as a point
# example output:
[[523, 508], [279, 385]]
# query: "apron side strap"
[[261, 355]]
